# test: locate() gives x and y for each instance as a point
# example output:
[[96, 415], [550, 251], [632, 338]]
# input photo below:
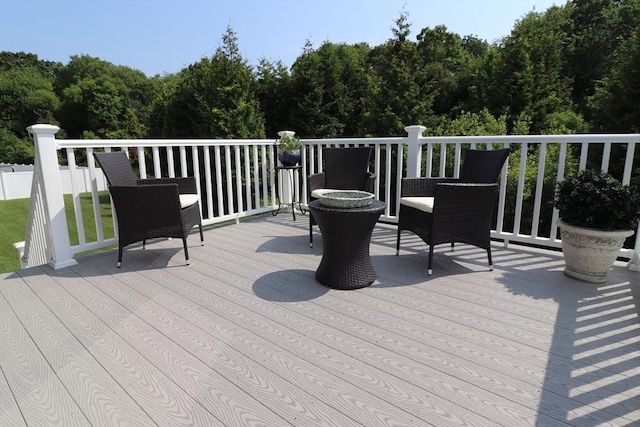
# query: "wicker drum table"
[[346, 234]]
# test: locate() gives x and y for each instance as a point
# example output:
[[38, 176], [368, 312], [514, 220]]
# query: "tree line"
[[570, 69]]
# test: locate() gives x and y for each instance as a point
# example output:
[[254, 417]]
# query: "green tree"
[[616, 102], [475, 124], [26, 98], [106, 100], [448, 62], [14, 149], [164, 88], [529, 76], [330, 90], [216, 97], [274, 92], [402, 93], [595, 29]]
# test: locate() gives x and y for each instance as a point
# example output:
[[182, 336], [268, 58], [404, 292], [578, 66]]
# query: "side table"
[[292, 172], [346, 234]]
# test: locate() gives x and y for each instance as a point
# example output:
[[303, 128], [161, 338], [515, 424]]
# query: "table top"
[[375, 207]]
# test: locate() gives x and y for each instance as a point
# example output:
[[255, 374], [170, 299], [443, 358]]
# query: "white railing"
[[237, 179]]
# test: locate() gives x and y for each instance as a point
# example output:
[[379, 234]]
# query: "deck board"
[[245, 336]]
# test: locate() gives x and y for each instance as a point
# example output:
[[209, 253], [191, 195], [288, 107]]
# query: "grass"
[[13, 224]]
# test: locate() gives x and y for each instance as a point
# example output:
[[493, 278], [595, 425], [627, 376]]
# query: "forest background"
[[570, 69]]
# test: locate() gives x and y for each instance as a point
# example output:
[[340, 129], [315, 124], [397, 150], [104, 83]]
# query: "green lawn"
[[13, 224]]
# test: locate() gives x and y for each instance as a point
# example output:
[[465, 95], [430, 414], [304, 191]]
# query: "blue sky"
[[164, 36]]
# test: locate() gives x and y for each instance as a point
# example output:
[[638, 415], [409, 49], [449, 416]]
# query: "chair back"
[[117, 168], [483, 166], [346, 168]]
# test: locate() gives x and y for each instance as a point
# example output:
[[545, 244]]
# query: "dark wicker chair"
[[344, 169], [149, 208], [449, 210]]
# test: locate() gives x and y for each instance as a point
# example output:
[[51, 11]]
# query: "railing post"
[[414, 152], [46, 161]]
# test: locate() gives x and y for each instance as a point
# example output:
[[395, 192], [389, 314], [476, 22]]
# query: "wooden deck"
[[244, 336]]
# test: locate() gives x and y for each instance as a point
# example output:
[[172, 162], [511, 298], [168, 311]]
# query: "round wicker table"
[[346, 234]]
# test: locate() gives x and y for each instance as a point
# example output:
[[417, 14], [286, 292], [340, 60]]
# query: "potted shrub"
[[597, 213], [289, 147]]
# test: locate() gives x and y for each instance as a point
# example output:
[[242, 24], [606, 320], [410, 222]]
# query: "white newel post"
[[59, 247], [414, 153], [283, 176]]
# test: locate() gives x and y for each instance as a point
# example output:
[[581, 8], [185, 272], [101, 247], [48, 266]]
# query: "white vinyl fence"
[[16, 181]]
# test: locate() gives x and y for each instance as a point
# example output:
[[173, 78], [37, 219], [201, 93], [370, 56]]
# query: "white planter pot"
[[590, 253]]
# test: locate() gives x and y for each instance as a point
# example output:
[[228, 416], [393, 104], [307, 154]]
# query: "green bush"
[[595, 199]]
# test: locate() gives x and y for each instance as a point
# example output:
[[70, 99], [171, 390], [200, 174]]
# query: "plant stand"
[[288, 188]]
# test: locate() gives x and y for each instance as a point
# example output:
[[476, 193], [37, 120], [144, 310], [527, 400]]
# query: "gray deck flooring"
[[245, 336]]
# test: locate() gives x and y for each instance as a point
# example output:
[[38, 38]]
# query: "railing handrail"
[[117, 143], [591, 138]]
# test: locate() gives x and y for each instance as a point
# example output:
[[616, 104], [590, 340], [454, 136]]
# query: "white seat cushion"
[[425, 204], [187, 200]]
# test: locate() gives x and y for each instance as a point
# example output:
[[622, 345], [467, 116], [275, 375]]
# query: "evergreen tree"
[[331, 88], [403, 94], [616, 102], [216, 98]]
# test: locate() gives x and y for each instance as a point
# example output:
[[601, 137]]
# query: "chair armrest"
[[315, 181], [423, 187], [370, 182], [186, 185]]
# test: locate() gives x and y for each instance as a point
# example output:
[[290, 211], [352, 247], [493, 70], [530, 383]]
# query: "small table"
[[346, 234], [291, 171]]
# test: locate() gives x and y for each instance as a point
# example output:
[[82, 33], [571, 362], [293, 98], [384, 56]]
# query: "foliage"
[[595, 199], [14, 149], [330, 90], [402, 93], [450, 64], [569, 69], [470, 123], [26, 98], [274, 92], [289, 143], [595, 30], [616, 102], [108, 100], [530, 65], [215, 98]]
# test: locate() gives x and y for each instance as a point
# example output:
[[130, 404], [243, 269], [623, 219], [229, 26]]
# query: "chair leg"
[[398, 241], [429, 268], [490, 260], [201, 235], [144, 243], [310, 231], [186, 251], [119, 256]]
